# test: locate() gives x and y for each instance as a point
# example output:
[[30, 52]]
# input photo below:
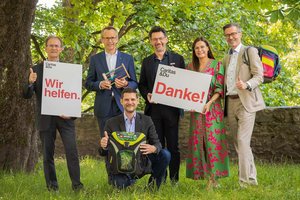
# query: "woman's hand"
[[207, 107]]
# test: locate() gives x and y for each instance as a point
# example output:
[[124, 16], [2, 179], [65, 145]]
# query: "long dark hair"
[[195, 59]]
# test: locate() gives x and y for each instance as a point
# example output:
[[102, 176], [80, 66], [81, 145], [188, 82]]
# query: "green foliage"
[[80, 21], [286, 10], [276, 181]]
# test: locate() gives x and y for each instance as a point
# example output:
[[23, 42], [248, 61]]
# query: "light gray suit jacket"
[[251, 100]]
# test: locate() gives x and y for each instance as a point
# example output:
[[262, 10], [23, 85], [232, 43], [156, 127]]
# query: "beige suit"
[[241, 111]]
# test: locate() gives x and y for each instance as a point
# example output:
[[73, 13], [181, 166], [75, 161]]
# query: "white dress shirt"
[[231, 71]]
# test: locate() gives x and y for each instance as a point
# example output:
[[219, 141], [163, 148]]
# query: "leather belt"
[[233, 96]]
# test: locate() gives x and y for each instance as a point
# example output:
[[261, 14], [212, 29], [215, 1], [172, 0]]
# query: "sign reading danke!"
[[61, 94], [181, 88]]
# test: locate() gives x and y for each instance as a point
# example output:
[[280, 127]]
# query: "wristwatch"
[[248, 87]]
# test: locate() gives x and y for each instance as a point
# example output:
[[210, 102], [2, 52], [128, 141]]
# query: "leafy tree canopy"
[[271, 22]]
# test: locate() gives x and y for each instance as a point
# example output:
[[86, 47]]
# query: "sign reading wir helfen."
[[62, 83], [181, 88]]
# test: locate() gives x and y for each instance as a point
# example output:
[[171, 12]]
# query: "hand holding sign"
[[32, 76], [64, 117], [206, 107], [149, 98]]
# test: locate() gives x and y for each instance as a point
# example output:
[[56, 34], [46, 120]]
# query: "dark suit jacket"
[[43, 121], [98, 66], [148, 74], [143, 124]]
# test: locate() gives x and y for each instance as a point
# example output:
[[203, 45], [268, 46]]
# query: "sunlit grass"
[[276, 181]]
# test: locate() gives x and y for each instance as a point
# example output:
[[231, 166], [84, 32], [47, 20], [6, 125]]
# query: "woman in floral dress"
[[208, 156]]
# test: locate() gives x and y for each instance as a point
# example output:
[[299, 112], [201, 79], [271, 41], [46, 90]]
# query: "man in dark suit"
[[243, 98], [47, 124], [165, 118], [107, 102], [131, 121]]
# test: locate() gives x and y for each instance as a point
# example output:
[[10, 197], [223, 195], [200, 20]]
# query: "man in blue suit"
[[108, 91]]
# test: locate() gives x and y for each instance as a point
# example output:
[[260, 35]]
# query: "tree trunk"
[[18, 135]]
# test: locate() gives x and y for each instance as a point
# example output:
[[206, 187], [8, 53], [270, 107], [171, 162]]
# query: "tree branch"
[[87, 110], [85, 94], [126, 26], [37, 46], [112, 20]]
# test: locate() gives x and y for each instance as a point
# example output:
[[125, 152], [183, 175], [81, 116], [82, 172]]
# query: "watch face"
[[248, 87]]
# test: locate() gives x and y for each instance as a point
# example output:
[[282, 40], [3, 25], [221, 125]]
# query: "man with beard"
[[165, 118]]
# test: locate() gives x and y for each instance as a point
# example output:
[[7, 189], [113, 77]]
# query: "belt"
[[233, 96]]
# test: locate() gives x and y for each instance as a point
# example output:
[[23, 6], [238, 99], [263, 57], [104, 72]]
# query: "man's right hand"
[[106, 84], [104, 140], [149, 97], [32, 76]]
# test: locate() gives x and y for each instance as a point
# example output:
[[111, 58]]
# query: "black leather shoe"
[[77, 188], [52, 188]]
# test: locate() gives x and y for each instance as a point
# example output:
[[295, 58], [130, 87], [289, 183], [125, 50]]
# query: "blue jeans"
[[159, 163]]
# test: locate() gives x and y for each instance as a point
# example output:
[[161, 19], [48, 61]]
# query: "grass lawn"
[[276, 181]]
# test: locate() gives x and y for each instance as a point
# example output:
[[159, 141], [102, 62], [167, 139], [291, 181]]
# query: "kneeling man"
[[131, 121]]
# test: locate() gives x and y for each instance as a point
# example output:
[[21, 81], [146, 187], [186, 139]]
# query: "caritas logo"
[[166, 72]]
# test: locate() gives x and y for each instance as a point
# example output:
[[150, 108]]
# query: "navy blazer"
[[143, 124], [98, 66], [148, 74]]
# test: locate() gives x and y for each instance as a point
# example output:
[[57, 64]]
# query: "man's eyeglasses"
[[233, 34], [53, 46], [158, 39], [110, 38]]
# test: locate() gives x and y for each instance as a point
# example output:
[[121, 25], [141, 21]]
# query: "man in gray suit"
[[243, 98]]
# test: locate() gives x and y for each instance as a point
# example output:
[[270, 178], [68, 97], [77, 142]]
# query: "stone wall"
[[276, 135]]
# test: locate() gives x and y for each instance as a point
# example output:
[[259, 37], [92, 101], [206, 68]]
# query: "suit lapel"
[[122, 122], [119, 59], [240, 60], [138, 123], [226, 63], [153, 68], [171, 61], [103, 64]]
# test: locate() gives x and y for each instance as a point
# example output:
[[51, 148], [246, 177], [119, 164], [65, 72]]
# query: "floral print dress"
[[207, 153]]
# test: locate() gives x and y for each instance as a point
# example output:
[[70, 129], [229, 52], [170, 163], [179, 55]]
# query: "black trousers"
[[66, 128], [166, 119]]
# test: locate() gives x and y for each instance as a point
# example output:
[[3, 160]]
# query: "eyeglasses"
[[110, 38], [53, 46], [233, 34], [158, 39]]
